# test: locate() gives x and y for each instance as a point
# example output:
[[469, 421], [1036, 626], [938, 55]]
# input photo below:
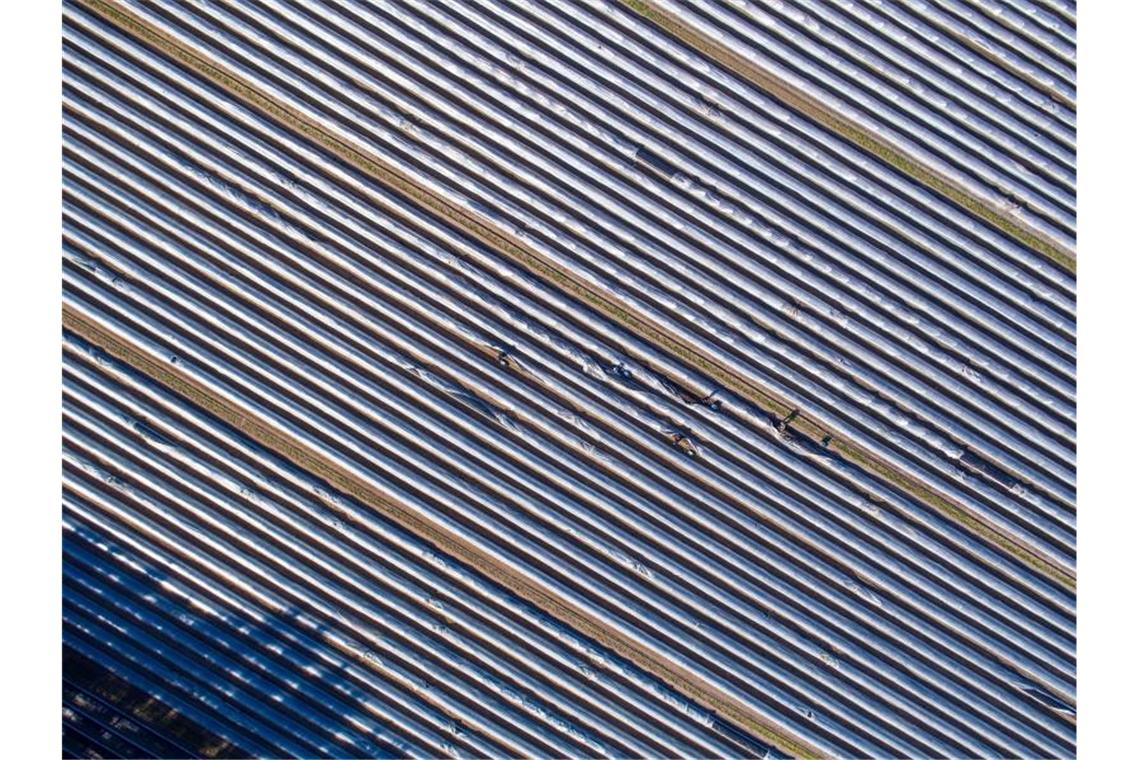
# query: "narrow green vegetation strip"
[[852, 131], [956, 513], [875, 145]]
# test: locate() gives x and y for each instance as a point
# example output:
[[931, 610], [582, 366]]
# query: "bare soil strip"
[[852, 131]]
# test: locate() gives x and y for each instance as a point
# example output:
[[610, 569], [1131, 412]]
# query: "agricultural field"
[[568, 378]]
